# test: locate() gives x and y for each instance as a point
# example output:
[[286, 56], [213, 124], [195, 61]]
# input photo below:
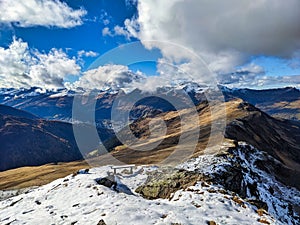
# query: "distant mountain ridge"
[[7, 110], [280, 102], [26, 127]]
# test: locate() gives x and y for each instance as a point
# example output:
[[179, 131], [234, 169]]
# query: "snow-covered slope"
[[79, 199], [244, 170]]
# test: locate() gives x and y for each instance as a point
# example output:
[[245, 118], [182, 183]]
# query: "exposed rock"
[[238, 201], [38, 202], [83, 171], [15, 202], [101, 222], [108, 181], [263, 220], [232, 180], [161, 184], [163, 216], [261, 212], [259, 204]]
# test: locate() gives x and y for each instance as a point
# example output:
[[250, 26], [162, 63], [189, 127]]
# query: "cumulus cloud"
[[107, 77], [106, 32], [293, 81], [117, 31], [21, 67], [115, 77], [40, 13], [224, 33], [84, 53], [242, 79], [253, 76], [263, 81], [104, 17], [256, 27]]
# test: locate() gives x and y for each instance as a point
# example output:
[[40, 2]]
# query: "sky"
[[102, 44]]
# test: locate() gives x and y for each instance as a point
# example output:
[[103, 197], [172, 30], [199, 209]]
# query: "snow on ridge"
[[82, 200], [277, 196], [59, 94], [23, 93]]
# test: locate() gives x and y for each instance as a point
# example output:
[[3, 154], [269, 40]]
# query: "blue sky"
[[86, 37], [98, 26]]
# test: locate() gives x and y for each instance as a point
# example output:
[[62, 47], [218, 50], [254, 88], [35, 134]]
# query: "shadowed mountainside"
[[7, 110], [279, 138], [29, 141]]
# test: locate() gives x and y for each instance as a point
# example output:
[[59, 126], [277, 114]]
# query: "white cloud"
[[253, 76], [21, 67], [117, 31], [263, 81], [251, 68], [47, 13], [106, 32], [115, 77], [224, 33], [122, 32], [104, 18], [256, 27], [279, 81], [87, 54], [106, 77]]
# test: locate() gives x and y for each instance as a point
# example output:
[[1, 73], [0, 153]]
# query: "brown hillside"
[[280, 138]]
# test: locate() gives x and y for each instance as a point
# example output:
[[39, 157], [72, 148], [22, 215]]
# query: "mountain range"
[[45, 123], [57, 105], [247, 144]]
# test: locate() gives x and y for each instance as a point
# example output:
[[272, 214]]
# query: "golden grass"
[[37, 175]]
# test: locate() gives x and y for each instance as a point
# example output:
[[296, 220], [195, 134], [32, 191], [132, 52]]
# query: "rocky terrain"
[[241, 170], [227, 188]]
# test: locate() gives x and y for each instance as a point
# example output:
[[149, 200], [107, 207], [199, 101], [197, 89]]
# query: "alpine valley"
[[249, 175]]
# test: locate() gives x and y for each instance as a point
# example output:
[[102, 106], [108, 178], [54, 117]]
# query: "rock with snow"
[[80, 199]]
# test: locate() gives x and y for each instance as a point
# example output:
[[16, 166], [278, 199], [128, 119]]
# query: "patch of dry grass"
[[38, 175]]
